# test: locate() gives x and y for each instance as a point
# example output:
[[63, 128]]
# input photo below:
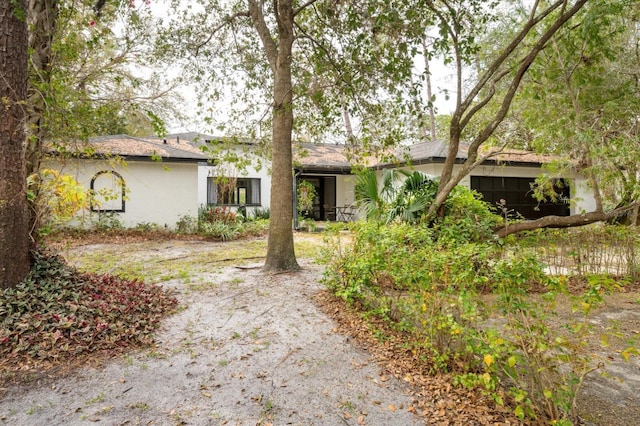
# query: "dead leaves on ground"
[[435, 399]]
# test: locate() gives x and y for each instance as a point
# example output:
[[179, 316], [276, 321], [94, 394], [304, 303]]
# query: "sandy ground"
[[253, 349], [247, 349]]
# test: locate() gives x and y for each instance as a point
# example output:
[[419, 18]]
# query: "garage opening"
[[518, 196]]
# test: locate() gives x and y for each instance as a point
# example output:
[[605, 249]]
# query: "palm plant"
[[401, 195]]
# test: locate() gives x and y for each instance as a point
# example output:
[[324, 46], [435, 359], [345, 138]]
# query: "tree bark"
[[42, 19], [280, 249], [482, 94], [564, 221], [14, 214]]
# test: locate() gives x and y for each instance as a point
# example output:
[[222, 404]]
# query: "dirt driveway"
[[253, 349], [246, 349]]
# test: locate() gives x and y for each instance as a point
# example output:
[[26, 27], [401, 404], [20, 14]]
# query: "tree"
[[337, 60], [14, 230], [278, 48], [458, 22], [82, 83], [590, 103]]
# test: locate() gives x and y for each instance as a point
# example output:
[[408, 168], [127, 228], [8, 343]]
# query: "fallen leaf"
[[392, 407]]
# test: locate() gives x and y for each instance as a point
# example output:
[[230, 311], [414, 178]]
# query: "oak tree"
[[14, 230]]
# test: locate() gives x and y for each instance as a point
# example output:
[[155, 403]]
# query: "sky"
[[442, 79]]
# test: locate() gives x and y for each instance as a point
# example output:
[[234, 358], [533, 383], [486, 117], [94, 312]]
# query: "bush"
[[467, 218], [219, 230], [427, 283], [187, 225], [108, 221], [261, 213], [222, 223], [217, 214], [57, 313]]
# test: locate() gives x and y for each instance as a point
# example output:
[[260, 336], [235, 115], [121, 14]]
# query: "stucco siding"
[[156, 192]]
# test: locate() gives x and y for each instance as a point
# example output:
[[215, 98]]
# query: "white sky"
[[442, 79]]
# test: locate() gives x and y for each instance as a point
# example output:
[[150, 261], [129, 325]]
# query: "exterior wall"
[[156, 192], [345, 185], [251, 171]]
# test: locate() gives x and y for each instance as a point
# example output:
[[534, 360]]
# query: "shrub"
[[261, 213], [57, 313], [217, 214], [108, 221], [187, 225], [219, 230], [427, 283]]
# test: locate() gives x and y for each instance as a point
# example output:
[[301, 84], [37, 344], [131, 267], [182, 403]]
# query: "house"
[[325, 166], [507, 176], [140, 180], [162, 179]]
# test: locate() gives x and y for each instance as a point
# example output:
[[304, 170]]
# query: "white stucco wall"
[[345, 185], [157, 192]]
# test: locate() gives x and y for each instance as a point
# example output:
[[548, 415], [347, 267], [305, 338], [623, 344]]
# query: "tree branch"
[[517, 79], [564, 221], [228, 20], [304, 6], [269, 44]]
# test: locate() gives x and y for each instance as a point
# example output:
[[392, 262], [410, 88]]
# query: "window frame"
[[116, 176], [248, 184]]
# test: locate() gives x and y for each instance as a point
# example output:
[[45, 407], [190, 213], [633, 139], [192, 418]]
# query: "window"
[[108, 189], [233, 191]]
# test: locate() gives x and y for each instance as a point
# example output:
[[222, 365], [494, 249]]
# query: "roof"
[[136, 148], [437, 151], [309, 157], [322, 157]]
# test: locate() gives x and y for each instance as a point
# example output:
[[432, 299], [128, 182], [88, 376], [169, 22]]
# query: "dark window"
[[517, 194], [108, 190], [233, 191]]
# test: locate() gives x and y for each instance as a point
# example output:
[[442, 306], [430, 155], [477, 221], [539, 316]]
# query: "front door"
[[324, 201]]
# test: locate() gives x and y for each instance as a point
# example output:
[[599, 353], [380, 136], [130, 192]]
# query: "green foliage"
[[222, 223], [467, 218], [57, 313], [467, 307], [57, 198], [406, 196], [306, 195], [108, 221], [187, 225], [261, 213]]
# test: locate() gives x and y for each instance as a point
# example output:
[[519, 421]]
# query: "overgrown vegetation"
[[222, 223], [58, 313], [480, 308]]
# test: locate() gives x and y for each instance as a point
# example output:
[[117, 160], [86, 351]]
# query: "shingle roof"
[[308, 156], [139, 148], [322, 156]]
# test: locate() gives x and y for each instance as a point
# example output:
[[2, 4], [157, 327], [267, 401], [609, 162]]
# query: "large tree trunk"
[[14, 215], [564, 221], [42, 19], [280, 250]]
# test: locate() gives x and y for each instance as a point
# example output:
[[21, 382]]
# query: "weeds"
[[480, 310]]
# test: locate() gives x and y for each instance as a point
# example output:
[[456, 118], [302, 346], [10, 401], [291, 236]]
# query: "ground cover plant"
[[58, 313], [480, 309]]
